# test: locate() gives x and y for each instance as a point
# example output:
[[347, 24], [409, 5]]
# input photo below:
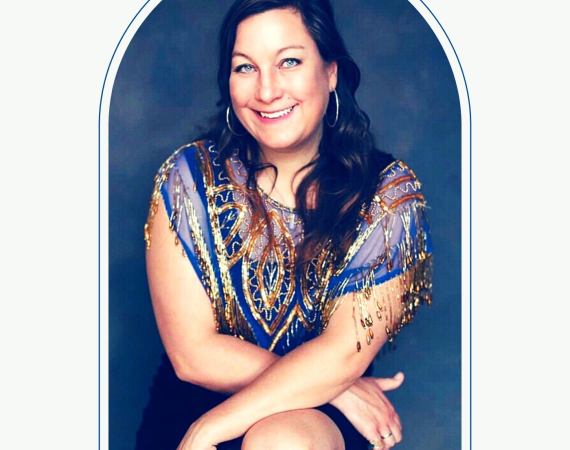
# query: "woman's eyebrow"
[[234, 54], [289, 47]]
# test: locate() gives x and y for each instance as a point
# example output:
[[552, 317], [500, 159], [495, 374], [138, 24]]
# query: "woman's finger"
[[376, 444], [397, 420], [396, 433], [388, 438], [389, 384]]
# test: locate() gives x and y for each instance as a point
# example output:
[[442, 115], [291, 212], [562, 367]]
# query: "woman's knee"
[[294, 430]]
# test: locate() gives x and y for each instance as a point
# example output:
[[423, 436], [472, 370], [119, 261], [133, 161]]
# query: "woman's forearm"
[[234, 365], [225, 364], [311, 375]]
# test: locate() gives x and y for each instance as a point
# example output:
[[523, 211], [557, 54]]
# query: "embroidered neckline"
[[277, 204]]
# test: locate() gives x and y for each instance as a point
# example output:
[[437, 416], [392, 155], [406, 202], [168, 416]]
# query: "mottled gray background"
[[165, 87]]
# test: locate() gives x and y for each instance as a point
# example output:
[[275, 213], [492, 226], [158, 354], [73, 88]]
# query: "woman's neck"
[[289, 174], [288, 162]]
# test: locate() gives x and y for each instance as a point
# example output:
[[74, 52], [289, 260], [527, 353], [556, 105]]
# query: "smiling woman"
[[280, 85], [283, 251]]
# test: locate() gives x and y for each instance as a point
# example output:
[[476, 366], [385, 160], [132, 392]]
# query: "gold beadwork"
[[399, 198], [147, 235], [267, 271]]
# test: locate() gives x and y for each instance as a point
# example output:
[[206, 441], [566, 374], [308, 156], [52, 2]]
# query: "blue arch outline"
[[99, 230], [470, 228]]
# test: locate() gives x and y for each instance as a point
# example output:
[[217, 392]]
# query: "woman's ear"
[[333, 74]]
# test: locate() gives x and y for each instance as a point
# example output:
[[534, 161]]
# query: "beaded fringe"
[[395, 300]]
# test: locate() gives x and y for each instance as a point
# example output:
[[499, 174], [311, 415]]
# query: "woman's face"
[[279, 84]]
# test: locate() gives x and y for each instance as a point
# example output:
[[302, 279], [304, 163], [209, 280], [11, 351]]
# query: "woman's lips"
[[277, 114]]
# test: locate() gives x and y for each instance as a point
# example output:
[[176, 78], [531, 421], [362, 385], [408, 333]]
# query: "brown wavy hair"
[[344, 176]]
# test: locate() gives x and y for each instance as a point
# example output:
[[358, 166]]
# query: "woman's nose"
[[269, 87]]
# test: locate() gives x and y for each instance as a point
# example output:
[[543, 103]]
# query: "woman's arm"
[[185, 321], [309, 376], [224, 363]]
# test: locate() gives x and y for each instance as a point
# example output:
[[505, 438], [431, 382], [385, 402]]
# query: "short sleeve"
[[179, 183], [388, 269]]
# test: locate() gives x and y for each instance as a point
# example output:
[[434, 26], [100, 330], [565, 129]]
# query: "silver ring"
[[387, 436]]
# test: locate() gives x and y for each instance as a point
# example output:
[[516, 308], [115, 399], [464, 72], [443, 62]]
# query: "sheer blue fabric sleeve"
[[393, 243], [179, 183]]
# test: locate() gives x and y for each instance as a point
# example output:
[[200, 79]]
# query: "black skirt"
[[174, 405]]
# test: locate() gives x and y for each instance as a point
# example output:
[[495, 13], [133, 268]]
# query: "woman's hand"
[[197, 437], [365, 405]]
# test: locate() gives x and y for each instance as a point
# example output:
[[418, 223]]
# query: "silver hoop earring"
[[229, 126], [336, 115]]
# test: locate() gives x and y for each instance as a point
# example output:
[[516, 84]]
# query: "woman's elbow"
[[200, 375], [356, 362], [353, 365], [355, 369], [188, 371]]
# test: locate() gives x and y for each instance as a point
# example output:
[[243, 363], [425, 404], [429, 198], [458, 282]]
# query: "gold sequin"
[[401, 197], [267, 271]]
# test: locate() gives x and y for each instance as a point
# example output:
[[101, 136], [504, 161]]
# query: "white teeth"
[[277, 114]]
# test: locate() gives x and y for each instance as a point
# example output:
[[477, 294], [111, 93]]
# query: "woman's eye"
[[291, 62], [244, 68]]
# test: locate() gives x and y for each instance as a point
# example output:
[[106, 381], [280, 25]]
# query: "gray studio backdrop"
[[165, 87]]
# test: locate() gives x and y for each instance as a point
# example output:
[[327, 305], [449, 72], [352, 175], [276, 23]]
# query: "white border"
[[104, 108], [460, 81]]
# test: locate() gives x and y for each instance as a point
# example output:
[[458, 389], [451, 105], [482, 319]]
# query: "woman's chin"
[[280, 145], [285, 140]]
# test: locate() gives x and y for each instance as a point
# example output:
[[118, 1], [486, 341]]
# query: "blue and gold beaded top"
[[250, 279]]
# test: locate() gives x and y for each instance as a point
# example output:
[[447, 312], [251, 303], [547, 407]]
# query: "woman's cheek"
[[233, 89], [240, 90]]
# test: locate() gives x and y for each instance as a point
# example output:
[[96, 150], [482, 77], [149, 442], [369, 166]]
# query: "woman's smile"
[[277, 114]]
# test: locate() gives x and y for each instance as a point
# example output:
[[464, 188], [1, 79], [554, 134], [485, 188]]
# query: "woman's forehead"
[[272, 31]]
